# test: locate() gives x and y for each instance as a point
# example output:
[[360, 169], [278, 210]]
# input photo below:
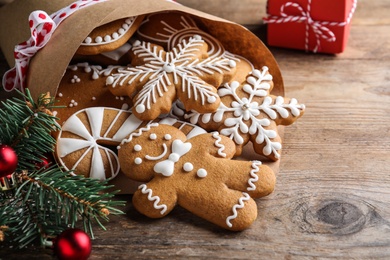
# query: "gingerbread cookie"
[[82, 86], [158, 78], [110, 36], [168, 29], [249, 113], [197, 174], [87, 142]]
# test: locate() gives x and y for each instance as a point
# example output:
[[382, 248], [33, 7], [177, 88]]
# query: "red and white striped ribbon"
[[320, 29], [42, 26]]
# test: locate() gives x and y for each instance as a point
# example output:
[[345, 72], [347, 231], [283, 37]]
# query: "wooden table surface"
[[332, 198]]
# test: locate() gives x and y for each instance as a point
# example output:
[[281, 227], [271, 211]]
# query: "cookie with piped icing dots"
[[195, 173], [83, 85], [110, 36]]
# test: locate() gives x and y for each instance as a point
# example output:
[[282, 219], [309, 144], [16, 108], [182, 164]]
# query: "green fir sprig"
[[45, 201], [26, 126]]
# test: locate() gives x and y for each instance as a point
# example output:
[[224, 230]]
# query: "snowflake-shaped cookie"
[[158, 78], [249, 113]]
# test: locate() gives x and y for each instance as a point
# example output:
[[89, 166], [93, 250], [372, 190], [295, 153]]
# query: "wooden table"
[[332, 198]]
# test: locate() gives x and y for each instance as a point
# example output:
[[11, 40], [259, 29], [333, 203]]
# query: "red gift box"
[[311, 25]]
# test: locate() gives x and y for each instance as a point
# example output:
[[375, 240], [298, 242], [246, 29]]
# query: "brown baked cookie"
[[110, 36], [249, 113], [87, 142], [82, 86], [197, 174], [168, 29], [158, 78]]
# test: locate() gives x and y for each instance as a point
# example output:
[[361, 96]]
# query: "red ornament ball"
[[72, 244], [8, 160], [44, 163]]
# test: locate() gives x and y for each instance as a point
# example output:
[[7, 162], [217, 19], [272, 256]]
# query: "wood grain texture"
[[332, 199]]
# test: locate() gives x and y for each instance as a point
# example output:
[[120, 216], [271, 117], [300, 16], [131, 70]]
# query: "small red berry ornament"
[[44, 163], [8, 160], [72, 244]]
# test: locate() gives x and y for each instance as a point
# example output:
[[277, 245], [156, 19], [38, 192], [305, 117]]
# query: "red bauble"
[[72, 244], [45, 163], [8, 160]]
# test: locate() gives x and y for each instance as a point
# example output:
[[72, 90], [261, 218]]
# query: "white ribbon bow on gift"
[[320, 31], [319, 27], [167, 167]]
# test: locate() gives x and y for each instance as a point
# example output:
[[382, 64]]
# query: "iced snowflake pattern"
[[160, 77], [249, 113]]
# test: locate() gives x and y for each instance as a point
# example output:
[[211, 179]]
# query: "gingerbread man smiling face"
[[197, 174]]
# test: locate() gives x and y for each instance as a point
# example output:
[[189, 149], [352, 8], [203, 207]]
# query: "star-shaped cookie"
[[157, 78]]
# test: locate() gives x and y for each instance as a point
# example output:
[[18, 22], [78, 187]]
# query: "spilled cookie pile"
[[161, 101]]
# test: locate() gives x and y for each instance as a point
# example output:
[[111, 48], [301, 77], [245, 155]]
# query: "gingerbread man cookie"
[[249, 113], [197, 174], [158, 78]]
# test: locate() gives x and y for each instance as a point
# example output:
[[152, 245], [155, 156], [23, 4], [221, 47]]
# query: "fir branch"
[[49, 201], [26, 125]]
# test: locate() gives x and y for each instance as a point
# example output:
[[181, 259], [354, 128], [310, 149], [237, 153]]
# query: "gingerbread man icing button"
[[196, 173], [248, 112], [157, 78]]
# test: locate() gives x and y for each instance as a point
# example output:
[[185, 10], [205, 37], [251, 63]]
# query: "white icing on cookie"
[[138, 160], [137, 148], [218, 144], [187, 167], [239, 205], [145, 190], [178, 149], [105, 39], [255, 169], [201, 173], [96, 70], [156, 158]]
